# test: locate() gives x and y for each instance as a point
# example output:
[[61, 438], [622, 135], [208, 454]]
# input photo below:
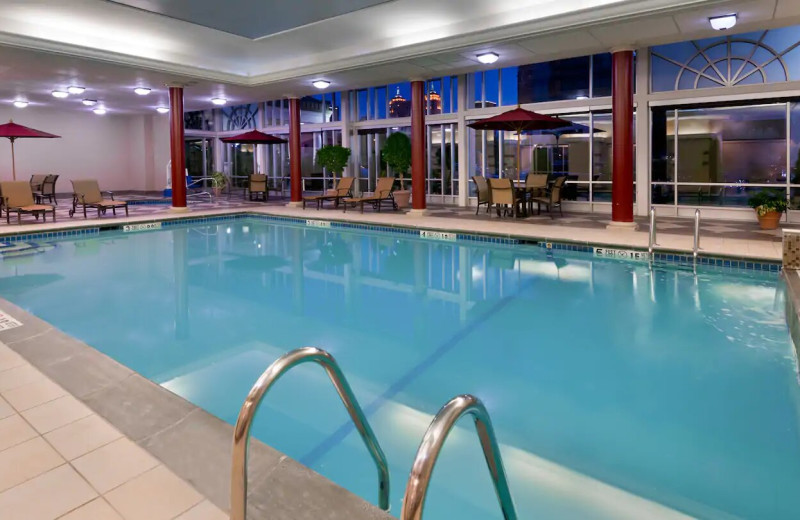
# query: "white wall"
[[123, 152]]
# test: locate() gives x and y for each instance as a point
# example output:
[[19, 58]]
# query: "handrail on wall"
[[435, 436], [241, 432]]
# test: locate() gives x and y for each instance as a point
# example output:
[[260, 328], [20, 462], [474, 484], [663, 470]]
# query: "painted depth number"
[[625, 254], [131, 228], [438, 235], [318, 223]]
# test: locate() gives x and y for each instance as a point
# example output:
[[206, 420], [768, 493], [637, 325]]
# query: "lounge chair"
[[484, 193], [343, 189], [552, 199], [504, 197], [381, 195], [47, 190], [257, 185], [18, 196], [87, 193]]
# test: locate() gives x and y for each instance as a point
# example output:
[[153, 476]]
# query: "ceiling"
[[111, 48], [251, 18]]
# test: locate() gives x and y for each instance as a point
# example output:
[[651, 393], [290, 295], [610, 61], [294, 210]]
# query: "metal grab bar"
[[421, 471], [696, 246], [652, 240], [241, 432]]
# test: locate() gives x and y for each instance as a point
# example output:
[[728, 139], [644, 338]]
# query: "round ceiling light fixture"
[[76, 90], [20, 103], [487, 58], [321, 83], [162, 110], [60, 94], [142, 91], [219, 101], [89, 102], [721, 23], [99, 111]]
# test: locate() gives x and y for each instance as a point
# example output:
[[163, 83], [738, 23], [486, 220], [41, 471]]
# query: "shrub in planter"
[[334, 158], [769, 206]]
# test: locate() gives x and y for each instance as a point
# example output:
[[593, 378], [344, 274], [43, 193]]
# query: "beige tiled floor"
[[60, 460]]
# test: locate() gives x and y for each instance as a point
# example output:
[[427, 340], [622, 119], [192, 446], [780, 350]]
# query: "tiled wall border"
[[675, 258]]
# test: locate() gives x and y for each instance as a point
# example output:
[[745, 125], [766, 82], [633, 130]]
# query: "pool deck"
[[718, 238]]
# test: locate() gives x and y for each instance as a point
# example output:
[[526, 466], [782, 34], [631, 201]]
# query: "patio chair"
[[484, 193], [504, 197], [381, 195], [47, 190], [257, 185], [343, 189], [535, 186], [552, 199], [18, 196], [87, 193], [36, 182]]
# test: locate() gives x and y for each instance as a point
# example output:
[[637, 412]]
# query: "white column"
[[643, 162], [463, 143]]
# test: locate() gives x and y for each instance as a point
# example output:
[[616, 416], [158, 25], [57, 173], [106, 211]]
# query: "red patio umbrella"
[[13, 131], [519, 120], [254, 137]]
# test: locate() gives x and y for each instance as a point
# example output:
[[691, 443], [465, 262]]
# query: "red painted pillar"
[[296, 175], [418, 145], [622, 113], [176, 147]]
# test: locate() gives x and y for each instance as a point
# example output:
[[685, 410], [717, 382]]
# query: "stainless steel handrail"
[[696, 246], [652, 240], [421, 471], [241, 432]]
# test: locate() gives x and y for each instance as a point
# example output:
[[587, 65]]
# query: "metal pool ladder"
[[241, 432], [435, 436], [696, 244], [651, 243]]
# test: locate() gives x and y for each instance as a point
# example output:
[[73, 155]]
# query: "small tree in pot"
[[769, 206], [334, 158], [396, 153]]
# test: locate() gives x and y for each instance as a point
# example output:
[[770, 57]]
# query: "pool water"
[[616, 391]]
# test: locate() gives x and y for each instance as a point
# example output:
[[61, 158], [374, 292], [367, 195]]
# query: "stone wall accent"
[[791, 249]]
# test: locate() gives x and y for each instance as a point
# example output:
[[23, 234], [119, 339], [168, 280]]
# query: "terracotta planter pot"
[[769, 220], [216, 190], [402, 198]]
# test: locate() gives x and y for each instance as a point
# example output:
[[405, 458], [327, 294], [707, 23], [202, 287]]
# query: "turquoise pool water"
[[616, 391]]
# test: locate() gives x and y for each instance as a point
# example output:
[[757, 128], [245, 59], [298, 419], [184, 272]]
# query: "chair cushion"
[[109, 203]]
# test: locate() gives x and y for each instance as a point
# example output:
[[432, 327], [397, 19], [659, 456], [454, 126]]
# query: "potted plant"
[[396, 153], [220, 181], [334, 158], [769, 206]]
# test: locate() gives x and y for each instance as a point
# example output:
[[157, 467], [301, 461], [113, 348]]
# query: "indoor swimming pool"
[[617, 390]]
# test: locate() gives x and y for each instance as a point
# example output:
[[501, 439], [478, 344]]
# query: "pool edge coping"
[[177, 430]]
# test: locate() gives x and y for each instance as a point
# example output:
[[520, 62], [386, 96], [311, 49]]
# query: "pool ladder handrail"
[[651, 243], [652, 238], [431, 446], [241, 432], [696, 243]]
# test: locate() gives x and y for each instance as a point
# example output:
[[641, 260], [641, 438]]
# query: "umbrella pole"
[[13, 162], [518, 161]]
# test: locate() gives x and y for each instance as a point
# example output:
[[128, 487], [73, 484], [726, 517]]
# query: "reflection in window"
[[554, 80], [240, 117]]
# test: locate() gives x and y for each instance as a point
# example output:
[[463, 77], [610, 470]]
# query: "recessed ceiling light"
[[99, 111], [59, 94], [219, 101], [162, 110], [488, 57], [20, 103], [321, 83], [75, 90], [723, 22], [142, 91], [89, 102]]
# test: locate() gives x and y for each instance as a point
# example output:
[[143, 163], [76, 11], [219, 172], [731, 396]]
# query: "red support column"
[[418, 163], [176, 148], [296, 173], [622, 114]]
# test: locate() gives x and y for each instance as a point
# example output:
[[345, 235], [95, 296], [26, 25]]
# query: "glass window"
[[601, 75], [381, 103], [554, 80], [240, 117], [400, 102], [509, 84], [476, 89], [449, 94], [361, 105], [491, 88]]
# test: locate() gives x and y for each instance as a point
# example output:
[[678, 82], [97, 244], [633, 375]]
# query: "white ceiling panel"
[[787, 8], [572, 41], [635, 32]]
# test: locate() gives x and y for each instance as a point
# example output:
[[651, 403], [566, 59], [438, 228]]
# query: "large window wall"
[[394, 100]]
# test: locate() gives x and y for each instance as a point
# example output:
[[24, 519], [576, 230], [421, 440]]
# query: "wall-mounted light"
[[162, 110], [142, 91], [321, 83], [20, 103], [89, 102], [60, 94], [219, 101], [721, 23], [99, 111], [488, 58]]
